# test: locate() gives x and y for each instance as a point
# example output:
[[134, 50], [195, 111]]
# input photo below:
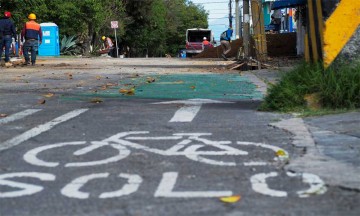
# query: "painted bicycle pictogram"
[[190, 145], [194, 146]]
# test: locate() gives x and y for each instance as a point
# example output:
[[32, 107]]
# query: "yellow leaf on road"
[[280, 153], [49, 95], [231, 199]]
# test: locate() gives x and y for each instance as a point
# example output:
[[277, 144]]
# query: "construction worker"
[[225, 39], [108, 44], [8, 32], [206, 44], [33, 38]]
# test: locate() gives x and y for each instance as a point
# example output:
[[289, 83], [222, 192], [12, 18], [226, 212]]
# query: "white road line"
[[18, 116], [72, 189], [190, 108], [186, 114], [167, 184], [259, 185], [40, 129], [23, 189]]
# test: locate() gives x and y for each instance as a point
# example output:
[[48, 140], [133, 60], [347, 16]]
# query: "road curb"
[[346, 176]]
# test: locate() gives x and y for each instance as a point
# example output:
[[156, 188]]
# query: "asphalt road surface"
[[149, 137]]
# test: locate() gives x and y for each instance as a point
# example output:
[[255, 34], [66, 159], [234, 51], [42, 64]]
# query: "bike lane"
[[131, 154], [179, 86]]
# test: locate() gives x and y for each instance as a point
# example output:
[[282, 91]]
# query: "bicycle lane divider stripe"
[[18, 116], [40, 129], [190, 108], [186, 114]]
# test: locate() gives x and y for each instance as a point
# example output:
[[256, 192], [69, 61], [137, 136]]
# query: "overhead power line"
[[212, 2]]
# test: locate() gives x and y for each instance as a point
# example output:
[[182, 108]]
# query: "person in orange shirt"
[[33, 38], [206, 43]]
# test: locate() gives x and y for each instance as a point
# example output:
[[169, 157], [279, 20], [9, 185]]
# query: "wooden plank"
[[237, 66]]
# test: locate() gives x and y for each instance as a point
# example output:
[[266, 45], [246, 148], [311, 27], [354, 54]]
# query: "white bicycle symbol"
[[188, 145]]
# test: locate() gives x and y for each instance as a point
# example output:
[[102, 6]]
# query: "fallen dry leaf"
[[2, 115], [280, 153], [96, 100], [98, 77], [70, 76], [49, 95], [41, 101], [150, 79], [230, 199], [111, 84], [127, 91]]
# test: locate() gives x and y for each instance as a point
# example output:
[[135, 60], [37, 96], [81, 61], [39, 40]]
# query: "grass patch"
[[337, 88]]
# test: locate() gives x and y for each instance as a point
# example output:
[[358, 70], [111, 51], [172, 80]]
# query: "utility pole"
[[237, 19], [230, 15], [259, 29], [246, 29]]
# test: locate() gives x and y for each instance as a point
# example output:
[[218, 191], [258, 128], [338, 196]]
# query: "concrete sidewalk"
[[331, 143]]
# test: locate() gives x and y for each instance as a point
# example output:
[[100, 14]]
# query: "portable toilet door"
[[50, 42]]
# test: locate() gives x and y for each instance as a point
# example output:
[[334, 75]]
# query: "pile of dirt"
[[281, 44], [215, 52], [277, 45]]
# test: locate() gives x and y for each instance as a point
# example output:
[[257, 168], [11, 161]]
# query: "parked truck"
[[194, 39]]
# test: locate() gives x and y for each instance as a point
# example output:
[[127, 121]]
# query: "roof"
[[279, 4], [48, 24]]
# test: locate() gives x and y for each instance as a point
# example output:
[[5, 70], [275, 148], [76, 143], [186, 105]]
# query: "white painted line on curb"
[[40, 129], [18, 116]]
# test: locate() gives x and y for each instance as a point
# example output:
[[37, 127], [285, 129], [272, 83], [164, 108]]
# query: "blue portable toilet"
[[50, 42]]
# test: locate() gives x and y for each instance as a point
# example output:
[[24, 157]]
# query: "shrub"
[[69, 46], [337, 87], [341, 87]]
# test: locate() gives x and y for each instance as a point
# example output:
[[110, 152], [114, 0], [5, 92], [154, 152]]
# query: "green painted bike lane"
[[180, 86]]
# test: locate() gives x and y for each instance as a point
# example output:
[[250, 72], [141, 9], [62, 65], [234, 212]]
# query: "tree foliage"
[[154, 26]]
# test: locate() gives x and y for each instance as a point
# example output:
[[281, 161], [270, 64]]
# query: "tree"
[[157, 26], [182, 15], [85, 18], [160, 25]]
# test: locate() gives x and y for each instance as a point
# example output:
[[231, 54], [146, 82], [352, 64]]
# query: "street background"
[[166, 136]]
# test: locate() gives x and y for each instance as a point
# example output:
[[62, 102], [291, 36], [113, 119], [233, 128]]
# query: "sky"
[[218, 14]]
